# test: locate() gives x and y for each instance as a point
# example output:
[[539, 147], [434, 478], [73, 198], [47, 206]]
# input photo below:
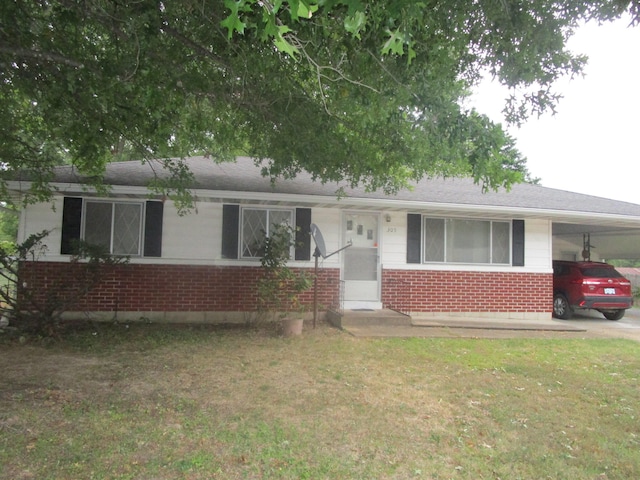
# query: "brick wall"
[[193, 288], [157, 288], [463, 291]]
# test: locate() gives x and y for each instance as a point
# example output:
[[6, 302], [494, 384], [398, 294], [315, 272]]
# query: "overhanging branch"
[[38, 55]]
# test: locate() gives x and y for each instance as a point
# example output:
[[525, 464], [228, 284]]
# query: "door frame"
[[376, 303]]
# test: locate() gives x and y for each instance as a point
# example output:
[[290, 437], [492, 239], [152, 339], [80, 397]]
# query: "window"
[[115, 226], [453, 240], [236, 241], [255, 224]]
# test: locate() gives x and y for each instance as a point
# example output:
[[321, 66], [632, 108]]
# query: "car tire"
[[613, 314], [561, 307]]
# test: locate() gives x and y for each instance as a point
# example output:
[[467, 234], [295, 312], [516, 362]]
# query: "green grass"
[[147, 401]]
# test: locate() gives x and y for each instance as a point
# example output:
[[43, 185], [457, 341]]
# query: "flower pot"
[[292, 327]]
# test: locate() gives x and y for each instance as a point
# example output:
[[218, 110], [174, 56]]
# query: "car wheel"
[[613, 314], [561, 307]]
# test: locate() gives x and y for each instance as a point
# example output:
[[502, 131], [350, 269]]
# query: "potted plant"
[[280, 286]]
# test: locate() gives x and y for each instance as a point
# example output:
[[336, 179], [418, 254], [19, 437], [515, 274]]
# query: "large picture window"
[[452, 240], [113, 225], [256, 224]]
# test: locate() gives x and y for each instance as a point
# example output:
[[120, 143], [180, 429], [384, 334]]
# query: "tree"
[[8, 224], [366, 92]]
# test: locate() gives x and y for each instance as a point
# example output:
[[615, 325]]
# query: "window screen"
[[256, 223], [454, 240], [114, 226]]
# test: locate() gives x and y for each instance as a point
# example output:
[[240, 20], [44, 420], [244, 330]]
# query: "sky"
[[592, 144]]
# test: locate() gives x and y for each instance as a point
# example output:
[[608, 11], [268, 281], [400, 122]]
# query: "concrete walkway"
[[588, 324]]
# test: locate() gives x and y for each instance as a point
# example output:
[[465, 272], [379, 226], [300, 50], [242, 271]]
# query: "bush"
[[39, 312], [280, 286]]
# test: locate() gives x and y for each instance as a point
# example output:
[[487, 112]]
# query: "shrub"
[[37, 311], [280, 286]]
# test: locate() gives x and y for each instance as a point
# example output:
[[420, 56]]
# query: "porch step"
[[366, 317]]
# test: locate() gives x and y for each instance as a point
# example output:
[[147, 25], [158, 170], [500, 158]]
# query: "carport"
[[600, 239]]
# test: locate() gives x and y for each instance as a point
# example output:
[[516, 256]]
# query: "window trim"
[[491, 221], [113, 203]]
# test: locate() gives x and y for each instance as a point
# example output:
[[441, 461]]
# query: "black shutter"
[[517, 254], [303, 234], [71, 224], [414, 234], [230, 230], [153, 229]]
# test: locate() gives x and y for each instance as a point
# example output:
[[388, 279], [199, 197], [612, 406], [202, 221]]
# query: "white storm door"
[[361, 261]]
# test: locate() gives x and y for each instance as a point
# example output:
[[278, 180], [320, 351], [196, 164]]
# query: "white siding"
[[43, 216], [194, 236], [394, 247], [329, 221], [394, 239], [537, 245]]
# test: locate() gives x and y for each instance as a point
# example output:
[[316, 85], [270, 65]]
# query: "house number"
[[391, 229]]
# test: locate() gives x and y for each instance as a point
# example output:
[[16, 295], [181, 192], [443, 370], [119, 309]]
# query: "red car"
[[594, 285]]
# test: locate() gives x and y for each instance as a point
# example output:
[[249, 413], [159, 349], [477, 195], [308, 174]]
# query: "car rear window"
[[600, 272]]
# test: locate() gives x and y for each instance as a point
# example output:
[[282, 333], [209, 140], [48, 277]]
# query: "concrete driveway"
[[596, 325], [585, 324]]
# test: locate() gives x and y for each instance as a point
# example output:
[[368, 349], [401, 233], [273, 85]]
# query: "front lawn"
[[158, 402]]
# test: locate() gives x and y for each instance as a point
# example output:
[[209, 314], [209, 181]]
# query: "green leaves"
[[275, 20], [396, 44], [281, 42], [302, 9], [355, 23], [369, 94], [280, 286], [232, 22]]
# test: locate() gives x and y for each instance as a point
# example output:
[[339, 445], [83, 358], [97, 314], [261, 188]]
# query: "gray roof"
[[244, 175]]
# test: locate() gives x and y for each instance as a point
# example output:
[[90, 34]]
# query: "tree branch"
[[192, 44], [46, 56]]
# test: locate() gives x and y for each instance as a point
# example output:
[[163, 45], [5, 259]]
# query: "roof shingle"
[[244, 175]]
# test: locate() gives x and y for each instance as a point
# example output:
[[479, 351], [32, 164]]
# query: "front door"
[[361, 261]]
